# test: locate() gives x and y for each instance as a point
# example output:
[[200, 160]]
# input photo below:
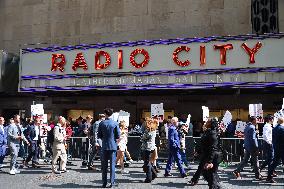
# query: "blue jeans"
[[105, 156], [183, 157], [174, 155], [268, 153]]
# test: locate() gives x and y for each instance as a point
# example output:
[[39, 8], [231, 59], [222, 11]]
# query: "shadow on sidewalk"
[[68, 185]]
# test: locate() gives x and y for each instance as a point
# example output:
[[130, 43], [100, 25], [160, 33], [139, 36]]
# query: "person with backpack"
[[58, 146]]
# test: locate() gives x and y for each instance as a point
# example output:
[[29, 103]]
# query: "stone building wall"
[[69, 22]]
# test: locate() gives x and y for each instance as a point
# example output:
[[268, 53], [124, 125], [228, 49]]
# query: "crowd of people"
[[108, 138]]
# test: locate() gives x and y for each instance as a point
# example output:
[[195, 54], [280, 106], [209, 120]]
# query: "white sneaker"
[[124, 171], [1, 165], [17, 171], [12, 172]]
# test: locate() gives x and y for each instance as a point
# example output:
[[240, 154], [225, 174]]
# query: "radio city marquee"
[[140, 64]]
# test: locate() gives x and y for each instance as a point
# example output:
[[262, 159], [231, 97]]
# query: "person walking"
[[32, 135], [58, 146], [210, 156], [267, 146], [15, 136], [96, 143], [251, 149], [3, 141], [148, 147], [278, 144], [108, 132], [174, 149]]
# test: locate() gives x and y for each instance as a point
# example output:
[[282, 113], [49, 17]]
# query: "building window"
[[264, 16]]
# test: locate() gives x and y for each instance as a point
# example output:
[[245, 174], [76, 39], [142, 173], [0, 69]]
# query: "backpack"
[[50, 136]]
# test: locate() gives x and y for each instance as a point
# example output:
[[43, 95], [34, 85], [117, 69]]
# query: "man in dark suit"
[[108, 132], [251, 149], [174, 149], [278, 144], [33, 136]]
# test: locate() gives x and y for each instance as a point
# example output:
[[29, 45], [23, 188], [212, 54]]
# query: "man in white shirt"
[[32, 135], [267, 142]]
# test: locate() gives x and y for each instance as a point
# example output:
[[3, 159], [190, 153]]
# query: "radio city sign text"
[[103, 59]]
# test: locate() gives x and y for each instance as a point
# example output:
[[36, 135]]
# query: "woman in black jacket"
[[210, 156]]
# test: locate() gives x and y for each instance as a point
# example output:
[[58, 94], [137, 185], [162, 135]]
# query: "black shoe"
[[192, 183], [259, 177], [147, 181], [156, 169], [104, 186], [64, 171], [270, 180], [35, 166], [126, 164], [113, 185], [183, 175], [168, 175]]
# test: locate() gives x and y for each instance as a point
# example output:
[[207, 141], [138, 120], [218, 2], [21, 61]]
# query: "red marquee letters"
[[144, 62], [55, 64], [98, 65], [58, 60], [223, 49], [80, 62], [175, 56], [252, 52]]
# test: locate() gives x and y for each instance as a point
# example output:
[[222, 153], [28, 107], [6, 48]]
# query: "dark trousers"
[[105, 157], [1, 159], [254, 159], [268, 153], [94, 151], [33, 152], [212, 177], [174, 155], [197, 173], [147, 167], [276, 161]]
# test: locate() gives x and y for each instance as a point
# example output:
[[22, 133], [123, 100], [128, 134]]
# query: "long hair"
[[151, 124]]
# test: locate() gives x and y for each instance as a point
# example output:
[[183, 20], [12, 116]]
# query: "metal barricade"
[[79, 147]]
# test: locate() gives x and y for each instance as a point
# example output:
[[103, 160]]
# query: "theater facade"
[[221, 72]]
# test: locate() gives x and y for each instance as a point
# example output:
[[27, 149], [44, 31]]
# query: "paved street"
[[79, 177]]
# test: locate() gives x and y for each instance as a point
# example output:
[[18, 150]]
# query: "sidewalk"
[[78, 177]]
